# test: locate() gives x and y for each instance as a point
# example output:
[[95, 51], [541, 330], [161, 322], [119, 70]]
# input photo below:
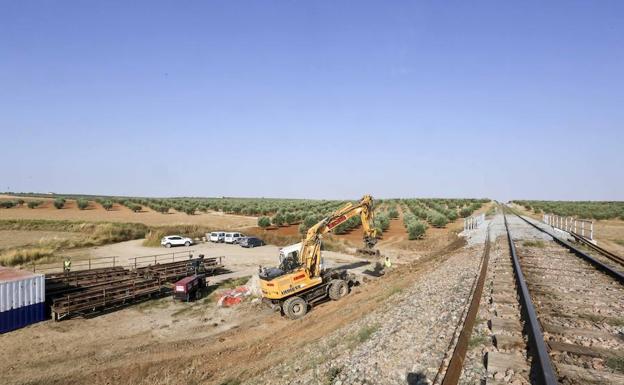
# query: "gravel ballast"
[[403, 341]]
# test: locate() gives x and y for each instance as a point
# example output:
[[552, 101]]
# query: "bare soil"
[[119, 213], [241, 261], [161, 342]]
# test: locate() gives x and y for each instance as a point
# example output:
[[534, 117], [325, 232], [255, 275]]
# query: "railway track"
[[607, 257], [557, 314]]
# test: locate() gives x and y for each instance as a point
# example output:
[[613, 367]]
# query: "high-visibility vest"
[[387, 263], [67, 264]]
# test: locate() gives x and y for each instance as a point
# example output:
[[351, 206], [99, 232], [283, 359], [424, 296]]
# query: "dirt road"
[[242, 261]]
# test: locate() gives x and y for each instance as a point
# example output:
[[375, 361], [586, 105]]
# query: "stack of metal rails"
[[88, 291]]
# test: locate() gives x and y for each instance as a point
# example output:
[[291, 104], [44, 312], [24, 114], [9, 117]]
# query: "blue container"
[[22, 299], [20, 317]]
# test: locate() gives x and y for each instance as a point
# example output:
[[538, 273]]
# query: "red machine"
[[189, 288]]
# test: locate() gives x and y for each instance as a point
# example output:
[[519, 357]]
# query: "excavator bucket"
[[368, 252]]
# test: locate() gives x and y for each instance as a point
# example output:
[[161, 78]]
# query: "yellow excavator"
[[300, 281]]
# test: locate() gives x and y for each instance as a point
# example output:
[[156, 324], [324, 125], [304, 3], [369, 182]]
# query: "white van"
[[233, 238], [217, 236]]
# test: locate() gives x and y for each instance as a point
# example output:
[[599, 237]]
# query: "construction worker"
[[66, 265], [200, 268], [387, 263]]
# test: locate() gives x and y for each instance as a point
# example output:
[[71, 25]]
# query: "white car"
[[176, 240], [217, 236], [232, 238]]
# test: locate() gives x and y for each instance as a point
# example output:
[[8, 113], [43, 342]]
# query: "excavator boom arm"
[[311, 246]]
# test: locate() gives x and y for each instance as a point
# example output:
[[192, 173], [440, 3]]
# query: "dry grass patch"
[[616, 363], [537, 243], [366, 332], [92, 234], [13, 257]]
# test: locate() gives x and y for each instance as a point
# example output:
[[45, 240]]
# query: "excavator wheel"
[[338, 289], [295, 307]]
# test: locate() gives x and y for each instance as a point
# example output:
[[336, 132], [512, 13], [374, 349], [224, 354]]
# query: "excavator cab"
[[289, 261]]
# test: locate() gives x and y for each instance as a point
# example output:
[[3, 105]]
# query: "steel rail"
[[606, 253], [599, 265], [545, 373], [456, 364]]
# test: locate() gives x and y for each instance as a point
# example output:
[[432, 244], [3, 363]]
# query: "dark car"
[[251, 242], [190, 288]]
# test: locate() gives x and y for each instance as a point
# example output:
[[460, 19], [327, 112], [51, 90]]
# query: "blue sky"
[[313, 99]]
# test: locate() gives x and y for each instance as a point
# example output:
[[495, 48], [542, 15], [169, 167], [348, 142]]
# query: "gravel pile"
[[521, 230], [476, 236], [496, 227], [403, 341]]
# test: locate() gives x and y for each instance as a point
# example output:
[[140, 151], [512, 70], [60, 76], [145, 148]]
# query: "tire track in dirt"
[[396, 232]]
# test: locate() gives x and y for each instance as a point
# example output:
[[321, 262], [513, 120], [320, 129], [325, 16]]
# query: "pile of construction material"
[[88, 291]]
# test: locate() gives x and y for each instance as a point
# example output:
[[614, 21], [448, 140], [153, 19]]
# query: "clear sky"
[[313, 99]]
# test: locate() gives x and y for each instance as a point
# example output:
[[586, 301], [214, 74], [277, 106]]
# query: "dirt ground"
[[119, 213], [242, 261], [161, 342]]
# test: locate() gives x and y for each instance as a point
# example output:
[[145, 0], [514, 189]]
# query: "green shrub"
[[465, 212], [20, 202], [382, 222], [33, 204], [289, 218], [393, 213], [366, 332], [59, 203], [133, 206], [416, 230], [82, 204], [189, 210], [7, 204], [264, 222], [438, 220], [277, 220], [108, 205]]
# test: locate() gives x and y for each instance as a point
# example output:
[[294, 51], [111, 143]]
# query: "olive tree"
[[264, 222], [82, 204], [59, 203]]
